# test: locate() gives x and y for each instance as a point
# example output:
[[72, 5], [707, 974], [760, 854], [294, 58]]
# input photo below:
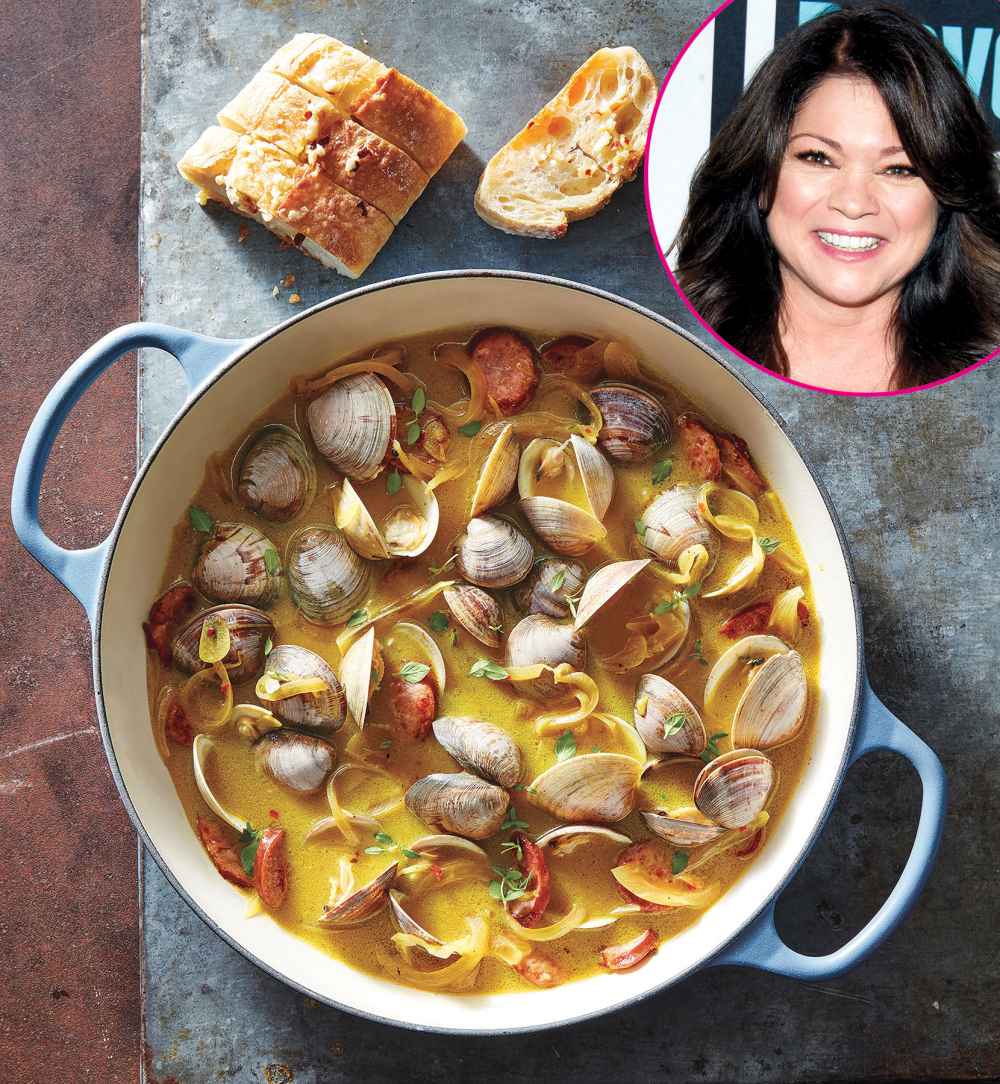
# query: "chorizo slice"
[[738, 466], [222, 852], [571, 357], [270, 867], [176, 602], [530, 909], [700, 448], [413, 706], [507, 361], [176, 725], [750, 621], [539, 970], [627, 955]]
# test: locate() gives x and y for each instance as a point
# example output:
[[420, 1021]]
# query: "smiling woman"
[[844, 227]]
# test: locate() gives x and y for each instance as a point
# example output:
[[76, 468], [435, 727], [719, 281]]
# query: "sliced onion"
[[215, 640], [570, 921], [203, 745], [272, 689], [786, 561], [739, 527], [415, 598], [164, 702], [636, 748], [729, 841], [470, 950], [744, 575], [580, 685], [679, 891], [197, 687], [556, 381], [456, 357], [384, 365], [784, 619]]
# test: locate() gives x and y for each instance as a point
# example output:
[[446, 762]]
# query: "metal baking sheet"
[[910, 477]]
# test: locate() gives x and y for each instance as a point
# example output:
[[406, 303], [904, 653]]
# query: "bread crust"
[[206, 162], [411, 117]]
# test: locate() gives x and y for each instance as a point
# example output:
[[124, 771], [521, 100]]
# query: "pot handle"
[[761, 946], [79, 571]]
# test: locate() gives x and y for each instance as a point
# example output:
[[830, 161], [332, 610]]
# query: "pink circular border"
[[684, 298]]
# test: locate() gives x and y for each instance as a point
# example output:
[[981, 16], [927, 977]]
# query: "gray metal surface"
[[912, 478]]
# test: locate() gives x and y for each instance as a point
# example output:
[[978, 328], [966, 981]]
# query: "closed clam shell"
[[327, 580], [273, 474], [300, 762], [353, 424], [361, 906], [323, 711], [539, 638], [477, 612], [681, 831], [234, 566], [772, 709], [658, 706], [635, 422], [480, 747], [603, 585], [672, 524], [593, 787], [249, 631], [498, 472], [732, 789], [459, 803], [552, 581], [492, 552]]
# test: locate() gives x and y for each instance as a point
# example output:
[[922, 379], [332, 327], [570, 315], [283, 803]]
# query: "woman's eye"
[[901, 171], [819, 157]]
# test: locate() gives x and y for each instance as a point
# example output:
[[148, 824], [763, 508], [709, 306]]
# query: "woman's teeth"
[[849, 244]]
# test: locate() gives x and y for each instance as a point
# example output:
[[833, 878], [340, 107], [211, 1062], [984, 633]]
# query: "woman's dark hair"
[[948, 315]]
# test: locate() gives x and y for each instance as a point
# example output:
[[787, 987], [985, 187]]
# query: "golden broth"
[[581, 876]]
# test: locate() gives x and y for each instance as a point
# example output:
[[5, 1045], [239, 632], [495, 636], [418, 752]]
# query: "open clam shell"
[[361, 672], [328, 581], [750, 647], [552, 581], [666, 720], [538, 638], [492, 552], [567, 837], [498, 473], [604, 585], [481, 748], [564, 527], [593, 787], [427, 650], [672, 524], [681, 831], [772, 709], [200, 751], [238, 564], [435, 846], [353, 424], [409, 528], [477, 612], [404, 922], [458, 803], [364, 904], [324, 711], [249, 631], [296, 761], [273, 474], [635, 422], [732, 789]]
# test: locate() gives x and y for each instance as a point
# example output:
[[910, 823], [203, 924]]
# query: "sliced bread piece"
[[571, 157], [206, 163], [327, 67], [411, 117]]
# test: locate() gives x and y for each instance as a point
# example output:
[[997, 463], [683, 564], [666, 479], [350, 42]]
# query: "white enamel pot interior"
[[213, 418]]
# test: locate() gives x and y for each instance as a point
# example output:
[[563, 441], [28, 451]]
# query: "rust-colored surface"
[[69, 87]]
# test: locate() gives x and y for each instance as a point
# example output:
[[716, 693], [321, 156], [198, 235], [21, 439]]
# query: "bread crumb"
[[294, 299], [288, 280], [244, 232], [274, 292]]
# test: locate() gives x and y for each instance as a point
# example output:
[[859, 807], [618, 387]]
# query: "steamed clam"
[[458, 803], [477, 611], [672, 524], [361, 672], [492, 552], [682, 827], [604, 585], [354, 907], [635, 422], [300, 762], [733, 788], [323, 710], [238, 564], [591, 787], [353, 424], [498, 473], [553, 580], [666, 720], [407, 529], [539, 638], [273, 474], [249, 631], [772, 709], [326, 578], [565, 504], [481, 748], [565, 838]]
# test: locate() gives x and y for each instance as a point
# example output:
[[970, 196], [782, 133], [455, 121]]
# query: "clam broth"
[[580, 877]]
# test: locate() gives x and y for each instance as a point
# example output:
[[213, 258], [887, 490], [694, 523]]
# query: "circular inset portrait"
[[824, 188]]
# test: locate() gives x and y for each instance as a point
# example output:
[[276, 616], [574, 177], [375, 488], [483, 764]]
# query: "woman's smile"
[[851, 216]]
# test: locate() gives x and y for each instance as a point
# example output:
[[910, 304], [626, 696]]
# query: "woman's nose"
[[853, 194]]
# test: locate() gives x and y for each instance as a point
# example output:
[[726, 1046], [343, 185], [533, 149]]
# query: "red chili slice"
[[539, 970], [748, 621], [700, 447], [222, 853], [270, 868], [738, 466], [622, 957], [413, 705], [530, 909]]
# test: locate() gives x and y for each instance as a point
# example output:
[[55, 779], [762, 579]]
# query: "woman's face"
[[851, 218]]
